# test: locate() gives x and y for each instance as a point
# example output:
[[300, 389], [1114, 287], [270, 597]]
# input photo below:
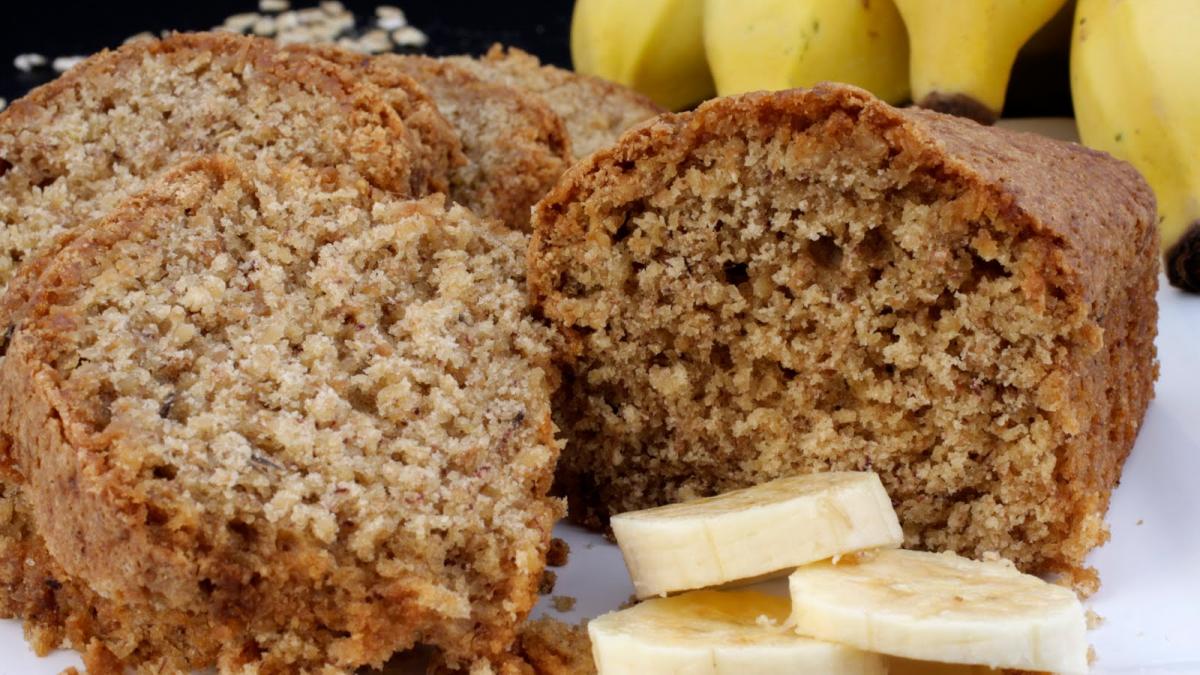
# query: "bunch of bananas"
[[1135, 68]]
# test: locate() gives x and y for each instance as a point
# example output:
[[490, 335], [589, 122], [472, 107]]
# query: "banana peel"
[[653, 46], [962, 53], [780, 44], [1135, 82]]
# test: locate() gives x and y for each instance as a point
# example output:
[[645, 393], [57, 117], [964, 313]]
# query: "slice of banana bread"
[[72, 149], [813, 280], [264, 420], [515, 144], [594, 110], [435, 138]]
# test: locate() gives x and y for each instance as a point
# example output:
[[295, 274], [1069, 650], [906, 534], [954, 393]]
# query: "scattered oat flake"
[[264, 27], [1140, 521], [563, 603], [1094, 620], [388, 11], [27, 62], [64, 63], [240, 23], [391, 22], [409, 36], [144, 35], [332, 7], [273, 5]]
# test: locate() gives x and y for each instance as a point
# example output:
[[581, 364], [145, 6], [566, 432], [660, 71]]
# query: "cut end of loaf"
[[804, 281]]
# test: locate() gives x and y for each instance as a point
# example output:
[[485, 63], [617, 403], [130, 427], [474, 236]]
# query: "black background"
[[454, 26]]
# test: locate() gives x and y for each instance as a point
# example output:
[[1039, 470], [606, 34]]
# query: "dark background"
[[1039, 86]]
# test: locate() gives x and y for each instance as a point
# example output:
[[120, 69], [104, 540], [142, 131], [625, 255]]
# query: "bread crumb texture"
[[74, 148], [812, 280], [552, 647], [596, 112], [270, 423]]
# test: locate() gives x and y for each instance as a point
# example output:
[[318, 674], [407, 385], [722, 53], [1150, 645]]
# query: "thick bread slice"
[[515, 144], [265, 420], [75, 147], [434, 136], [595, 111], [812, 280]]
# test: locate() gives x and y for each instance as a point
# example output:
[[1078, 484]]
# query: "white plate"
[[1150, 570]]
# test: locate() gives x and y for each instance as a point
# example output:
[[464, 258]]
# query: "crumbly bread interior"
[[596, 112], [309, 422], [778, 295], [71, 150], [552, 647], [516, 146]]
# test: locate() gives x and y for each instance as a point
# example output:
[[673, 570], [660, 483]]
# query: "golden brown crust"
[[1042, 253], [126, 519], [596, 112], [516, 146]]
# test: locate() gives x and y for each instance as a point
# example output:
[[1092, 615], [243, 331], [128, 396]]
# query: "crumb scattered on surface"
[[559, 553], [563, 603], [552, 647], [1094, 620], [1140, 521], [549, 579]]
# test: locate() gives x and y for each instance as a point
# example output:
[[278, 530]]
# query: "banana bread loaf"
[[265, 420], [813, 280]]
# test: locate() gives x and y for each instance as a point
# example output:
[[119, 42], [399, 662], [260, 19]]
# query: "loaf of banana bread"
[[813, 280]]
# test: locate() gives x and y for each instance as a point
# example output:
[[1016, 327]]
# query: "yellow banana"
[[653, 46], [780, 44], [1135, 81], [962, 51]]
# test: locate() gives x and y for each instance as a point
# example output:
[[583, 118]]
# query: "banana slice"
[[942, 607], [756, 531], [717, 633]]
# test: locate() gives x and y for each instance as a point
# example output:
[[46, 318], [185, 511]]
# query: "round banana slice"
[[942, 607], [754, 532], [717, 633]]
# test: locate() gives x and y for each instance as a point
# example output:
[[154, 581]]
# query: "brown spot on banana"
[[1183, 260], [961, 105]]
